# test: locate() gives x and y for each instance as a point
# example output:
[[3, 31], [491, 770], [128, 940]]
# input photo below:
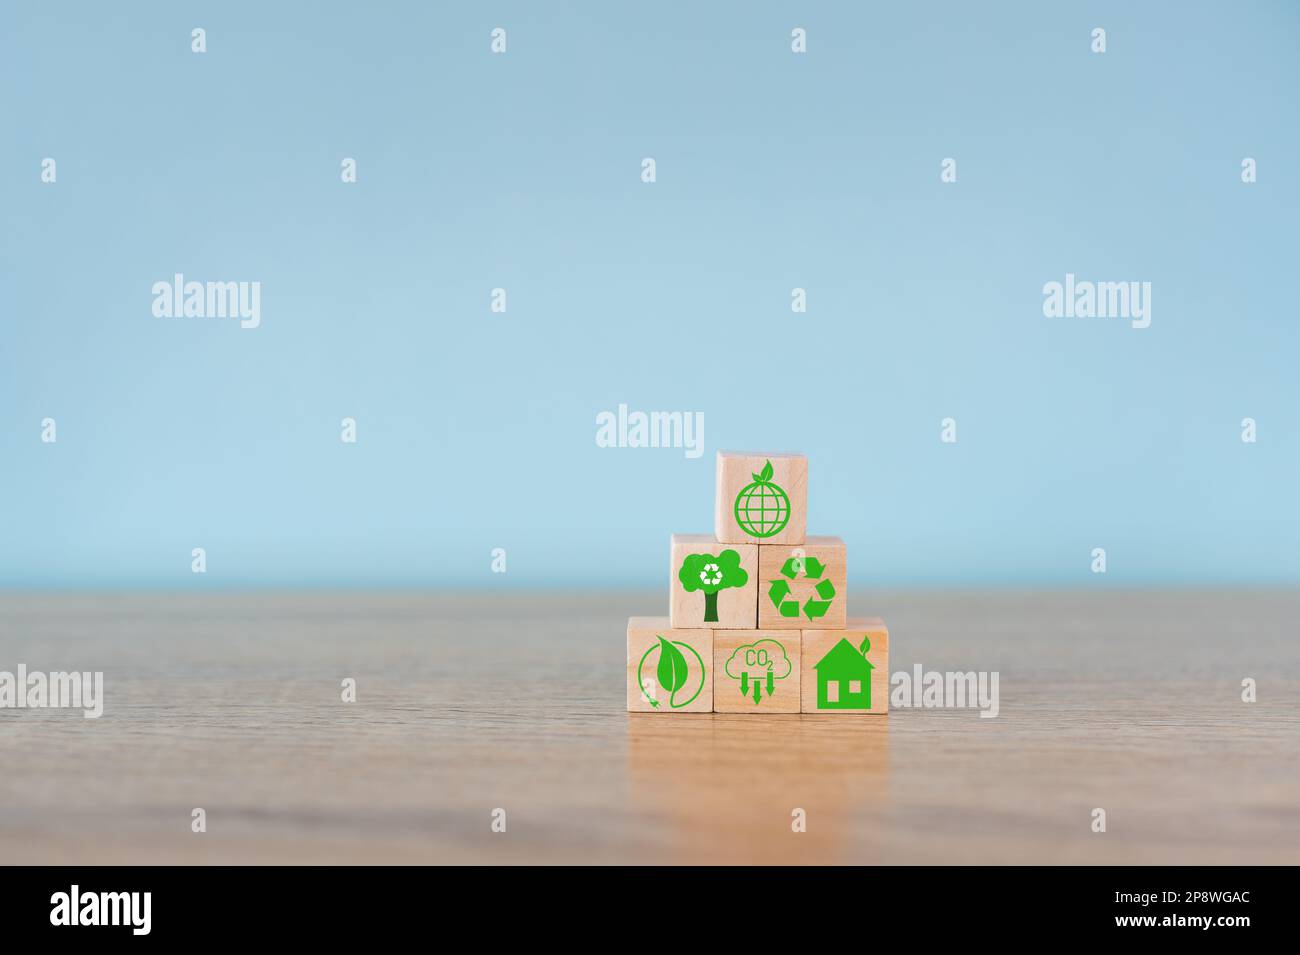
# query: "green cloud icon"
[[758, 658]]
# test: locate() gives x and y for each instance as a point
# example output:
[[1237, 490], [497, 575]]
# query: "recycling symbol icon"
[[782, 594]]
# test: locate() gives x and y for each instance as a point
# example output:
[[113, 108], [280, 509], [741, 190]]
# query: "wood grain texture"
[[817, 643], [1127, 701], [737, 607], [736, 470], [781, 652], [832, 554], [647, 692]]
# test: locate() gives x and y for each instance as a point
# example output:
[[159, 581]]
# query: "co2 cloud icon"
[[758, 666]]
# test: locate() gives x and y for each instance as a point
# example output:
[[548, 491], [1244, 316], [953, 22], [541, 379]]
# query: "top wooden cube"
[[761, 498]]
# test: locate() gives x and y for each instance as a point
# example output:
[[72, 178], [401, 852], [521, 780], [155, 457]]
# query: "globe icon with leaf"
[[762, 508]]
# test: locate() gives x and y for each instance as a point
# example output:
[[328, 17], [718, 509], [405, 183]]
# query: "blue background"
[[775, 170]]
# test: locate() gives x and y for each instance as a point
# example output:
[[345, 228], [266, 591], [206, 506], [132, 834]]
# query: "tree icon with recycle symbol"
[[709, 574], [802, 568]]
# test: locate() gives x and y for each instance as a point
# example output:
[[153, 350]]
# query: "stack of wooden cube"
[[757, 612]]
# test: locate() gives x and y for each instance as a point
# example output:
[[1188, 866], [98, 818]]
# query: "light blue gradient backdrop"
[[522, 171]]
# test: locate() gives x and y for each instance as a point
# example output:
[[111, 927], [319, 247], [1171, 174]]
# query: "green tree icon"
[[762, 509], [709, 574]]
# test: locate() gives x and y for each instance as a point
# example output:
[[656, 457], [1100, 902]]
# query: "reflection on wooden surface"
[[1126, 701], [725, 788]]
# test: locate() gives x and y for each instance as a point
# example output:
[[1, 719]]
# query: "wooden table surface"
[[1127, 701]]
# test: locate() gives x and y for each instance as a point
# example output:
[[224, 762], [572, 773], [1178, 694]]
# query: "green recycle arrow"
[[812, 567], [780, 592], [818, 608]]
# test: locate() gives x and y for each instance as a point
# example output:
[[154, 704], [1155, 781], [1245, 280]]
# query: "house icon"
[[844, 677]]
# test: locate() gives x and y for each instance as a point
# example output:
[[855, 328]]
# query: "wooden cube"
[[668, 671], [712, 585], [756, 671], [804, 586], [846, 671], [761, 498]]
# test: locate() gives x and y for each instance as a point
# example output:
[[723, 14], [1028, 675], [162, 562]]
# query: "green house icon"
[[844, 677]]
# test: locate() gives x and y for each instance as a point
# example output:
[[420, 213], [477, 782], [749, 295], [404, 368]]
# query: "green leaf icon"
[[672, 668], [765, 475], [673, 672]]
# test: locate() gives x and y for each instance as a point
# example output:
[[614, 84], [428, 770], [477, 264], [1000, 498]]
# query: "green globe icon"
[[762, 508]]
